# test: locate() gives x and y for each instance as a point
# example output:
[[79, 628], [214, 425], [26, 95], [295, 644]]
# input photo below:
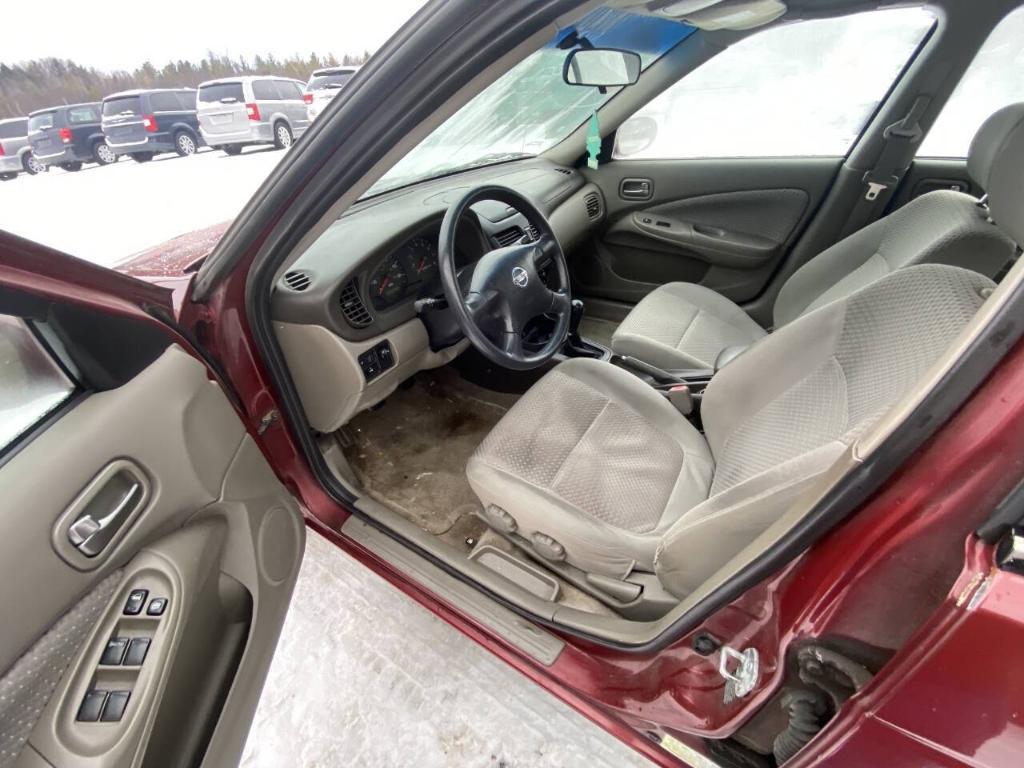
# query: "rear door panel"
[[927, 174], [725, 224], [212, 532]]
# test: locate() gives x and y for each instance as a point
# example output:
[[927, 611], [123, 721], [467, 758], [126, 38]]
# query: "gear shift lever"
[[575, 316]]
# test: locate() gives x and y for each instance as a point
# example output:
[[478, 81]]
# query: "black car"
[[146, 123], [68, 136]]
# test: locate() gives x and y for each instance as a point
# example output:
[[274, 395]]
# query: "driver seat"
[[596, 469]]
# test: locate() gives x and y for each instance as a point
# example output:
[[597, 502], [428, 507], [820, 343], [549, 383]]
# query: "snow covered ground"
[[364, 676], [105, 214]]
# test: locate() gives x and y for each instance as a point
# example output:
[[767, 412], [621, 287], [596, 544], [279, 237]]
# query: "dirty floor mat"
[[411, 452]]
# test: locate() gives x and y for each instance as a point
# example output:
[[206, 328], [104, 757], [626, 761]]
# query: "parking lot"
[[106, 213]]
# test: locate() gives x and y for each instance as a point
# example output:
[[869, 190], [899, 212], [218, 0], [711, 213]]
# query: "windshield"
[[123, 105], [530, 108], [215, 92], [332, 80]]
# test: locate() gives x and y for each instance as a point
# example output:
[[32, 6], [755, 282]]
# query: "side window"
[[13, 129], [164, 102], [31, 383], [994, 80], [80, 115], [804, 89], [264, 90], [186, 100], [288, 90]]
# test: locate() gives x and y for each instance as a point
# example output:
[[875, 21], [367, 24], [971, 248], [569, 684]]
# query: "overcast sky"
[[107, 39]]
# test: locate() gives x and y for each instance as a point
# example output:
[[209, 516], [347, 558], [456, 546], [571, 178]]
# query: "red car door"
[[150, 552]]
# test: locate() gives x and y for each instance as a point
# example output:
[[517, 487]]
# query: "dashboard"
[[349, 300]]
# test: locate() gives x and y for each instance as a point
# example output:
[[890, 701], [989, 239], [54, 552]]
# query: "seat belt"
[[893, 161]]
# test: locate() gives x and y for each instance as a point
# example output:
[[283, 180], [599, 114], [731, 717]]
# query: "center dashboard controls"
[[376, 360]]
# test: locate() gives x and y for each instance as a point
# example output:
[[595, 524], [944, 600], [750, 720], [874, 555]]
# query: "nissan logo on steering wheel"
[[519, 277]]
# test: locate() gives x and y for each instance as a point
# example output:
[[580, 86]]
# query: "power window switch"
[[137, 598], [92, 705], [113, 710], [157, 606], [114, 651], [136, 652]]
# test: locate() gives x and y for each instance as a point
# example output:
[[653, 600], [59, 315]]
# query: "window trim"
[[77, 393]]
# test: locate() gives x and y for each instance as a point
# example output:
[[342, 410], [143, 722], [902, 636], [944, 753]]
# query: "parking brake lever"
[[658, 374]]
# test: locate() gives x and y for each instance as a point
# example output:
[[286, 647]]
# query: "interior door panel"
[[928, 174], [723, 223], [196, 520]]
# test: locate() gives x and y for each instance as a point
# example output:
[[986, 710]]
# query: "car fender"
[[180, 125], [279, 116]]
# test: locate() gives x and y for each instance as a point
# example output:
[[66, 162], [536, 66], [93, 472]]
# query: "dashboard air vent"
[[531, 235], [509, 236], [564, 171], [297, 280], [593, 203], [356, 313]]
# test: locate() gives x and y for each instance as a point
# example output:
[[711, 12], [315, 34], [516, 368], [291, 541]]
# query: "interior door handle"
[[636, 189], [90, 535]]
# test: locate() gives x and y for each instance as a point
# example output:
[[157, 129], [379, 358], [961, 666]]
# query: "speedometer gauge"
[[421, 258], [388, 283]]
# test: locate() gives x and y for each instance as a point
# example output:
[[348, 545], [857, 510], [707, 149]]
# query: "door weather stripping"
[[745, 670]]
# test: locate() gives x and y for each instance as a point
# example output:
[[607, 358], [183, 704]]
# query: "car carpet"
[[410, 452]]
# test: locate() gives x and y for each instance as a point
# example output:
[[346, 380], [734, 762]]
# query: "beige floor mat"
[[411, 452]]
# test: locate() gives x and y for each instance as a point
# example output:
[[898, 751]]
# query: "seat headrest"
[[996, 162]]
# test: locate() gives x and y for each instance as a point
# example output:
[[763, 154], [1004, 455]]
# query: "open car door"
[[148, 552]]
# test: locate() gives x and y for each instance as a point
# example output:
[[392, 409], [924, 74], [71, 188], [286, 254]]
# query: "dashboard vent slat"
[[509, 236], [297, 280], [356, 313], [532, 235], [564, 171], [593, 203]]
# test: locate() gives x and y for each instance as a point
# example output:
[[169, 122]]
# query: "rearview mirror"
[[601, 67]]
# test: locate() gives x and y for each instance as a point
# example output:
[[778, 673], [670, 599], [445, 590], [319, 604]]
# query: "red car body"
[[952, 694]]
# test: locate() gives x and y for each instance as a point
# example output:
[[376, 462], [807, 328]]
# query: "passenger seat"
[[687, 326]]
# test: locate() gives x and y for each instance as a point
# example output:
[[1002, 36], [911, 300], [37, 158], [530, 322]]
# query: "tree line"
[[40, 83]]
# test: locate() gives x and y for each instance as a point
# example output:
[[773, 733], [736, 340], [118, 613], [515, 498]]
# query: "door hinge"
[[266, 421], [740, 670]]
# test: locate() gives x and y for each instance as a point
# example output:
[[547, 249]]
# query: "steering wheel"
[[506, 290]]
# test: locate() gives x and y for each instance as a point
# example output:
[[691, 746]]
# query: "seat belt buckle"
[[874, 190], [681, 397], [876, 187]]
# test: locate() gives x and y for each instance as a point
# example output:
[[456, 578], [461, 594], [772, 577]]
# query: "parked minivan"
[[15, 153], [68, 136], [238, 111], [142, 124], [324, 85]]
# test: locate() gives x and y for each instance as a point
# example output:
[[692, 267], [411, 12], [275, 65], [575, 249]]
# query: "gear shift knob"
[[575, 316]]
